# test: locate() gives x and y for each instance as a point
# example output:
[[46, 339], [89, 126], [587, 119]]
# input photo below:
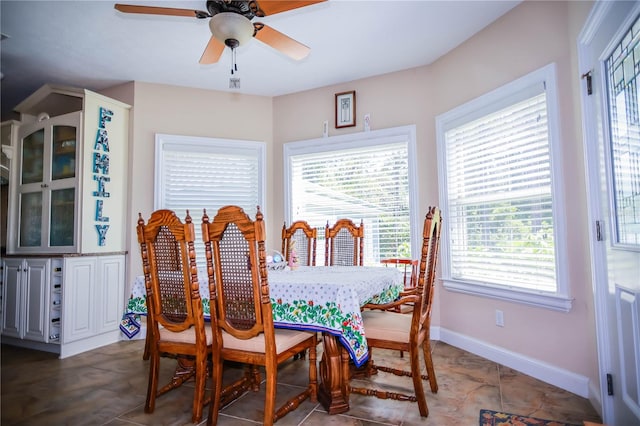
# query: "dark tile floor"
[[107, 386]]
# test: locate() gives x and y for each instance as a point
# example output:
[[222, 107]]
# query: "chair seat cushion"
[[385, 325], [285, 339], [186, 336]]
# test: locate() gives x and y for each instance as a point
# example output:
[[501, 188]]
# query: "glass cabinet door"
[[31, 219], [47, 191], [32, 157], [63, 152], [62, 217]]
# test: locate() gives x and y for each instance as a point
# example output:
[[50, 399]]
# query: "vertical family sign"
[[101, 173]]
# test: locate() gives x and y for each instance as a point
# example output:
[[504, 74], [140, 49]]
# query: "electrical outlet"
[[499, 318]]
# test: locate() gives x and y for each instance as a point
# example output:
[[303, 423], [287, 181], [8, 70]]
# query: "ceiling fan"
[[231, 24]]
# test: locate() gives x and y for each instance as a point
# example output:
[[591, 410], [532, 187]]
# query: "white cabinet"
[[65, 305], [25, 299], [79, 296], [97, 308], [45, 186], [68, 180], [55, 300], [8, 136], [110, 289], [66, 221]]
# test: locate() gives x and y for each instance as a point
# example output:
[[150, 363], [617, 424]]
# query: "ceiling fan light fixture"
[[231, 28]]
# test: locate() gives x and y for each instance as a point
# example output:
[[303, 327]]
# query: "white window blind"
[[500, 204], [367, 181], [500, 214], [196, 173]]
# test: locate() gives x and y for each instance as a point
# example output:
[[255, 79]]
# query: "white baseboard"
[[564, 379], [90, 343]]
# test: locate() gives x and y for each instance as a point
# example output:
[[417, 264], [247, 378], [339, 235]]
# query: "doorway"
[[609, 60]]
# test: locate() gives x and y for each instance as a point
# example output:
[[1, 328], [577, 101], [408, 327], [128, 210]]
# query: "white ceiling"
[[91, 45]]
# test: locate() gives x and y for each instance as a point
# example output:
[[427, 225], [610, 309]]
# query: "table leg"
[[333, 392]]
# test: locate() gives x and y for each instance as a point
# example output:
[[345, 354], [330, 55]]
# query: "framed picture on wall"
[[346, 109]]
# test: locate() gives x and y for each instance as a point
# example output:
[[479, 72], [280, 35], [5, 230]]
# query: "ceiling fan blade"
[[281, 42], [168, 11], [270, 7], [212, 52]]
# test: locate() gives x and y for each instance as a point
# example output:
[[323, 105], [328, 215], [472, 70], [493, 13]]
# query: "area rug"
[[497, 418]]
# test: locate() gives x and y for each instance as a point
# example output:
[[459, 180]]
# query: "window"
[[623, 154], [497, 160], [366, 176], [195, 173]]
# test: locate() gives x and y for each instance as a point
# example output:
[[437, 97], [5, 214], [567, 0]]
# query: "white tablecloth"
[[318, 298]]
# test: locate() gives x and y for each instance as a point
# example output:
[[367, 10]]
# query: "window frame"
[[355, 140], [483, 105], [208, 145]]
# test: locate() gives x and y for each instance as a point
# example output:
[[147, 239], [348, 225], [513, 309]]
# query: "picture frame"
[[346, 109]]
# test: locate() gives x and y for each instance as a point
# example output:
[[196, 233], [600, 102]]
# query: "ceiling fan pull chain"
[[234, 66]]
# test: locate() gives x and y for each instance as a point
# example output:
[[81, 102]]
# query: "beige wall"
[[189, 112], [532, 35]]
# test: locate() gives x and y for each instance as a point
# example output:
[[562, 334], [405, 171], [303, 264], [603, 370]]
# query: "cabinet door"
[[36, 303], [30, 219], [11, 297], [8, 138], [78, 298], [110, 293], [62, 207], [46, 196], [32, 157], [25, 303]]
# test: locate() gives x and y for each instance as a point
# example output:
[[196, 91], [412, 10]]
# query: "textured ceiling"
[[89, 44]]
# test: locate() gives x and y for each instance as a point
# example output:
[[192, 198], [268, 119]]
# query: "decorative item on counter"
[[293, 256], [275, 261]]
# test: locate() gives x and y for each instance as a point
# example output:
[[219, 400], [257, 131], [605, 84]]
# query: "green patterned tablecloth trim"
[[138, 305], [388, 295], [326, 317]]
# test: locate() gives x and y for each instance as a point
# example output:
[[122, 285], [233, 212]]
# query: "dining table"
[[324, 299]]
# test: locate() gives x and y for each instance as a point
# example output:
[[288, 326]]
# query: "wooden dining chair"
[[344, 243], [410, 273], [391, 330], [303, 236], [174, 308], [241, 314]]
